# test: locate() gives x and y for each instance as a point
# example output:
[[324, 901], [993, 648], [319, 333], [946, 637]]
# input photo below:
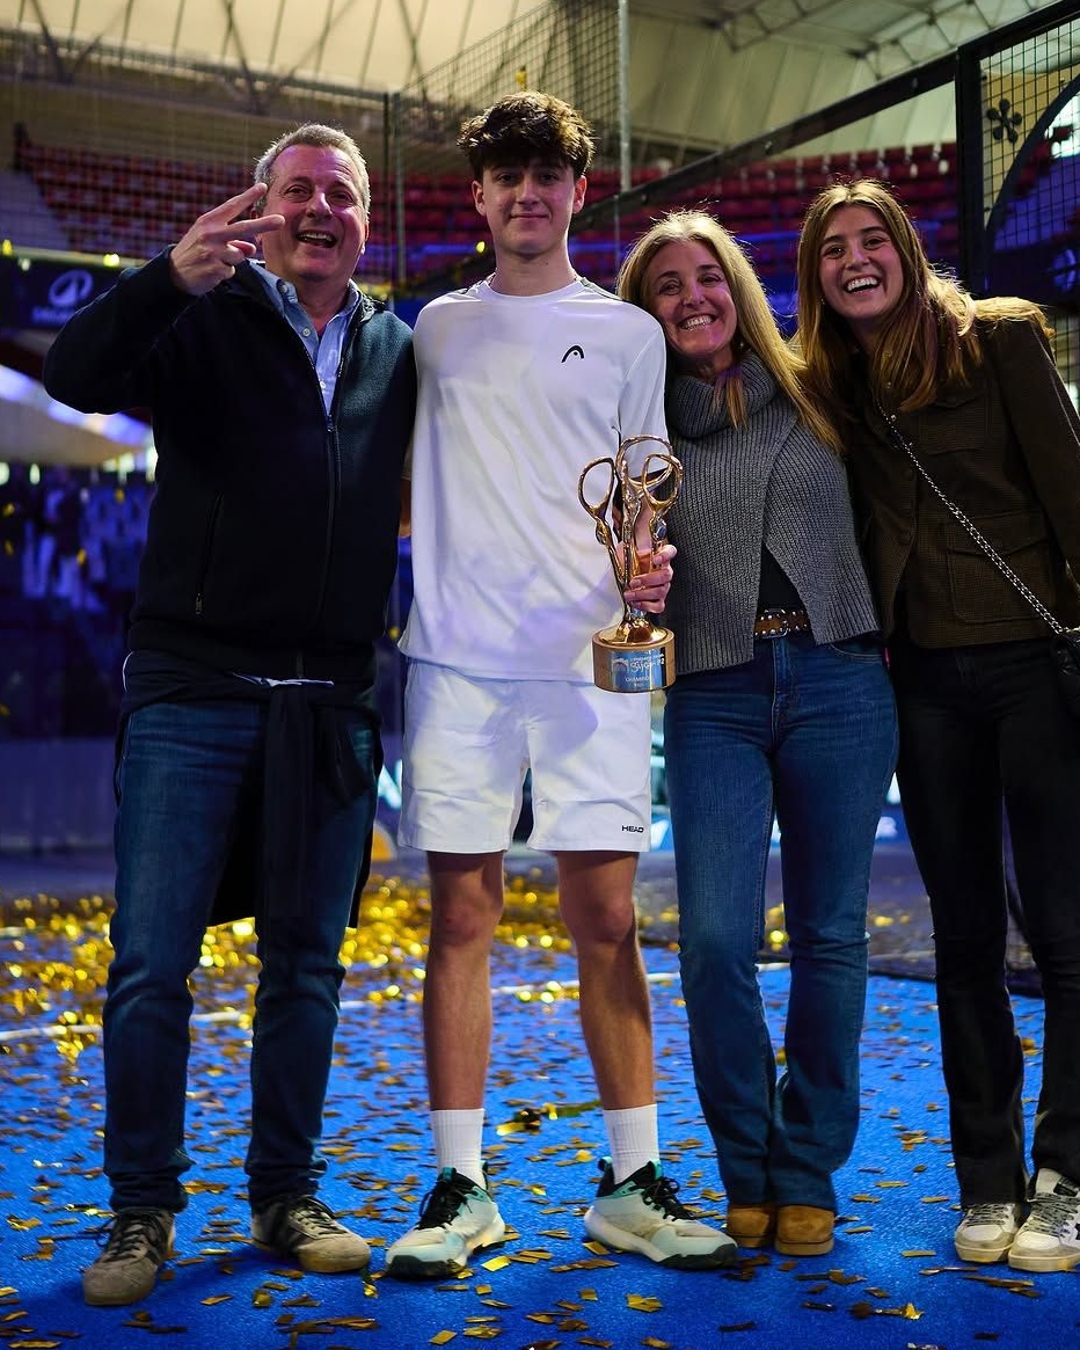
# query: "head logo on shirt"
[[572, 351]]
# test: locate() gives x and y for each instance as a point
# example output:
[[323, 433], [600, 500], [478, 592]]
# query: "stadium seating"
[[133, 205]]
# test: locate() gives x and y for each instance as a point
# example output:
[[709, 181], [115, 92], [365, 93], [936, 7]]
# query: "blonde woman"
[[782, 707], [974, 392]]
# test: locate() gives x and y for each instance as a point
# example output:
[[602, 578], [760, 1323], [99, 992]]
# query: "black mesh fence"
[[1021, 106]]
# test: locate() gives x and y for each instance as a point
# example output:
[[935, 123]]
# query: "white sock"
[[459, 1136], [634, 1136]]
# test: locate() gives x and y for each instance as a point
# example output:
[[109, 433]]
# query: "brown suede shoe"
[[751, 1225], [803, 1230]]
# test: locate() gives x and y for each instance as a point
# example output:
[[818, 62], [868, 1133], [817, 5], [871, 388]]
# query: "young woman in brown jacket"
[[898, 353]]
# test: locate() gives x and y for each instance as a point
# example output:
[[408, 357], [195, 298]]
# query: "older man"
[[282, 400]]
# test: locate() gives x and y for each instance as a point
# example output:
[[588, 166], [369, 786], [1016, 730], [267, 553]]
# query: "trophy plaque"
[[636, 655]]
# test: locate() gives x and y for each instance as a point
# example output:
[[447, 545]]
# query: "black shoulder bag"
[[1065, 642]]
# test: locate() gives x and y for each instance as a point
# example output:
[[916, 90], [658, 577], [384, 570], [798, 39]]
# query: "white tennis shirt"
[[516, 395]]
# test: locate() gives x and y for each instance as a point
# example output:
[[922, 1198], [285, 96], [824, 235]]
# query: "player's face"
[[317, 190], [528, 207], [686, 289]]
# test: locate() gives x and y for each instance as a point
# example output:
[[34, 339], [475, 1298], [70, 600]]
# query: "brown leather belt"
[[772, 623]]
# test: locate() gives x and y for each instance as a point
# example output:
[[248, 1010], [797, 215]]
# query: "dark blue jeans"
[[188, 774], [810, 733], [980, 726]]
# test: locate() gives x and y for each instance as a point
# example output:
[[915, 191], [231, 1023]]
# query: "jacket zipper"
[[333, 468], [331, 444], [208, 545]]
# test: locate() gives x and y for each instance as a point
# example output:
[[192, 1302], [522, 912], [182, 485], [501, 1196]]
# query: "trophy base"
[[633, 667]]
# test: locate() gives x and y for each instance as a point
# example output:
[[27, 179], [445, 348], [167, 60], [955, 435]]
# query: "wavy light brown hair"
[[756, 329], [927, 341]]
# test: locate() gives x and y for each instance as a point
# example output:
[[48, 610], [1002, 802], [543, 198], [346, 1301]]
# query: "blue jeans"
[[983, 726], [810, 733], [189, 778]]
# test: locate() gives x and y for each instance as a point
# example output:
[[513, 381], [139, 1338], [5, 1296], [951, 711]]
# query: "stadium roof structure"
[[782, 57]]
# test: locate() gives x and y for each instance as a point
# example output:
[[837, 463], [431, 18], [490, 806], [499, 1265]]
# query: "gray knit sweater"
[[768, 481]]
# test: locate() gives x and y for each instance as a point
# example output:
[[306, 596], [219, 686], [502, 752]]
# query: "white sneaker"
[[1050, 1237], [986, 1232], [643, 1215], [456, 1218]]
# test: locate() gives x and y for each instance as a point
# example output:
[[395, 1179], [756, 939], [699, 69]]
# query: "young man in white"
[[525, 378]]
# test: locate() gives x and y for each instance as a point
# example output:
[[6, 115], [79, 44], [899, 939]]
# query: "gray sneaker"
[[126, 1271], [303, 1227]]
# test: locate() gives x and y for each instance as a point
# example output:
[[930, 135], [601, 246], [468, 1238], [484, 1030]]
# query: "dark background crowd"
[[70, 541]]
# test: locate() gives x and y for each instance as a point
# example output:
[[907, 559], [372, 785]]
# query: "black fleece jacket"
[[272, 538]]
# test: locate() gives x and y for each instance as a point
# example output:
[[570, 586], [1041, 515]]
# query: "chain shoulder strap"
[[969, 525]]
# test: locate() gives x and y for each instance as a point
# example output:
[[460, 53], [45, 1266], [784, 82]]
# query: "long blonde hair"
[[756, 329], [928, 340]]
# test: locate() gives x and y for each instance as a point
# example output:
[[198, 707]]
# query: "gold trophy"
[[636, 655]]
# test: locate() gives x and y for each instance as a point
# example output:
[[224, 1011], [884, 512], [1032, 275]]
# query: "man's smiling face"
[[317, 190]]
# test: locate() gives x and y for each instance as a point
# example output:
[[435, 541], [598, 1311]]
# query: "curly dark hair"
[[520, 127]]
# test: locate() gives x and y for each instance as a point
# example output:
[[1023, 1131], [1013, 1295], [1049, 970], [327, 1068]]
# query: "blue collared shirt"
[[325, 352]]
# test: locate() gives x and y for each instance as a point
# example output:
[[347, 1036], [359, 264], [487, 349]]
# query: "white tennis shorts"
[[468, 743]]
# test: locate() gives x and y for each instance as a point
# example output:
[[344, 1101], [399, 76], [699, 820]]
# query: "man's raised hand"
[[219, 241]]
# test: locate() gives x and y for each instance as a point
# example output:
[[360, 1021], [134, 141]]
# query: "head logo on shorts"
[[572, 351]]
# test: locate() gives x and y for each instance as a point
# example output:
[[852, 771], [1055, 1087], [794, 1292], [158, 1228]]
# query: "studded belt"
[[773, 623]]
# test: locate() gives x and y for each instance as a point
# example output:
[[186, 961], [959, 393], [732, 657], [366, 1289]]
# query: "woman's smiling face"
[[861, 274], [686, 289]]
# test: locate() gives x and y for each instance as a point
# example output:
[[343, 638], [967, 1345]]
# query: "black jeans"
[[980, 725]]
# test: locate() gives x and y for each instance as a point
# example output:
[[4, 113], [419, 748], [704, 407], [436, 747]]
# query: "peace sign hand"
[[219, 241]]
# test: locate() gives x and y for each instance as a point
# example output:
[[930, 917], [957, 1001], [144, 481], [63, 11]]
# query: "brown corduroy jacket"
[[1006, 449]]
